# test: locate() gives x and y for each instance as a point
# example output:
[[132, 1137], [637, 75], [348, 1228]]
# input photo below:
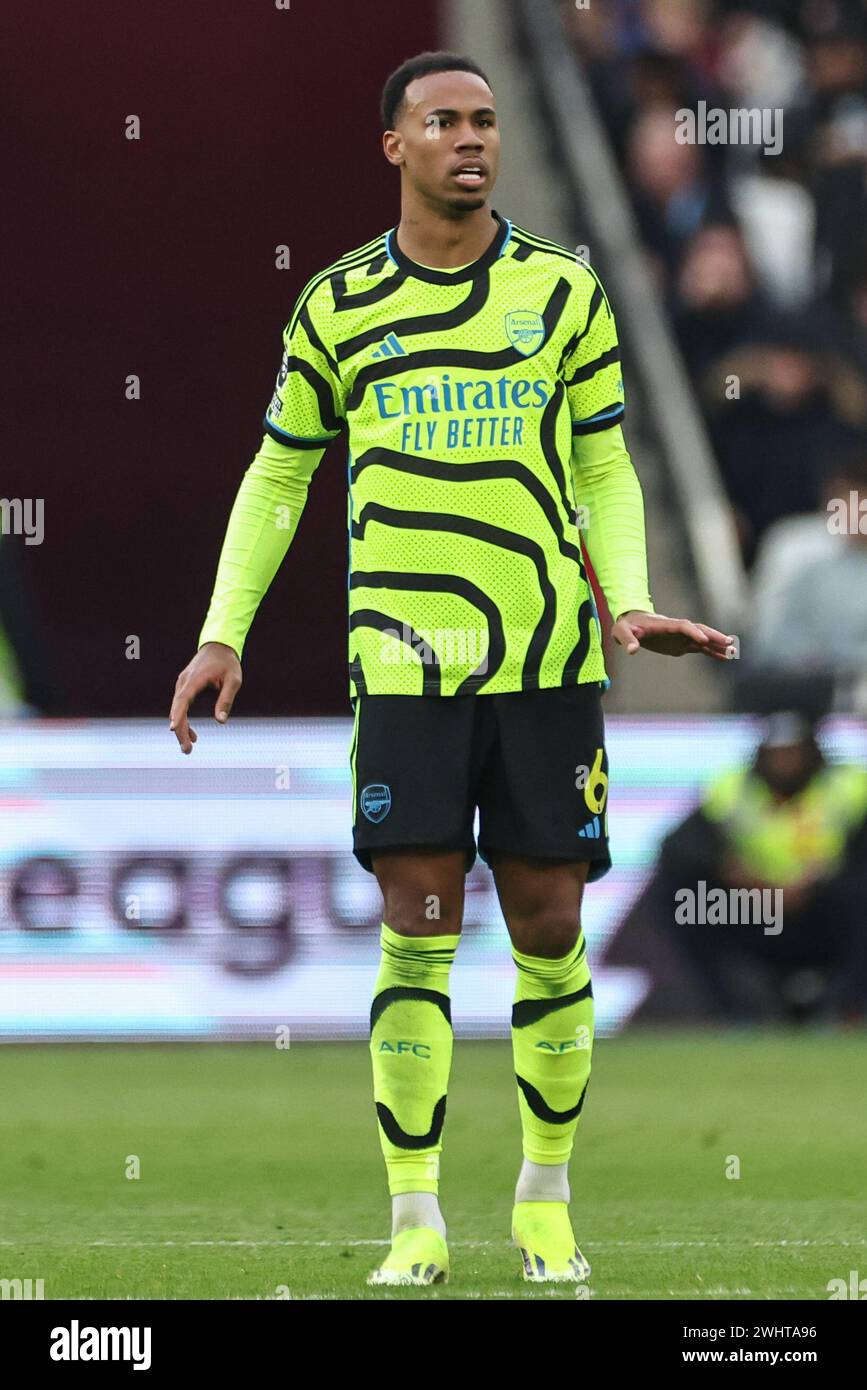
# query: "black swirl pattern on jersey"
[[548, 441], [345, 299], [436, 583], [373, 617], [321, 389], [441, 322], [575, 659], [596, 300], [313, 334], [494, 535], [480, 471], [457, 357], [350, 261], [591, 368]]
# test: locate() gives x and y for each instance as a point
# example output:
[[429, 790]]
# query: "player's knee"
[[420, 914], [417, 901], [411, 928], [415, 907], [545, 932]]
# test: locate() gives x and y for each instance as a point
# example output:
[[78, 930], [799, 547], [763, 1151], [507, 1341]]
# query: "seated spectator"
[[673, 193], [793, 546], [849, 321], [791, 822], [778, 217], [819, 620], [777, 406], [716, 303], [837, 60]]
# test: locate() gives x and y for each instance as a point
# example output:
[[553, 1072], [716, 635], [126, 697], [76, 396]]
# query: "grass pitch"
[[260, 1171]]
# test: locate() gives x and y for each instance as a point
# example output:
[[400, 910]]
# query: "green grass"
[[261, 1168]]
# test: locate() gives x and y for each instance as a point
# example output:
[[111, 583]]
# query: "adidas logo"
[[591, 831], [390, 347]]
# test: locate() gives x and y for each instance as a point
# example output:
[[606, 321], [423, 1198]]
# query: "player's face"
[[447, 141]]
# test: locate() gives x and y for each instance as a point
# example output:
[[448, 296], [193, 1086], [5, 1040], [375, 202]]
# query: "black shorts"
[[533, 762]]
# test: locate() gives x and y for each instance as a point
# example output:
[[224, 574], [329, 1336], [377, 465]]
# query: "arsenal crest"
[[525, 330]]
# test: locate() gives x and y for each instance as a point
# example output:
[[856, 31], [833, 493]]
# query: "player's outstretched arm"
[[607, 485], [262, 523], [609, 493], [214, 664], [302, 419], [670, 636]]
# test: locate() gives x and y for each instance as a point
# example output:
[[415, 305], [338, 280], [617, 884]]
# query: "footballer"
[[475, 367]]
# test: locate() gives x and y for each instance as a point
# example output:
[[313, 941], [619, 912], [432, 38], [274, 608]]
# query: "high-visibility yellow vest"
[[781, 841]]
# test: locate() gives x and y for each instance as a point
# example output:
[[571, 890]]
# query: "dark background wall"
[[258, 127]]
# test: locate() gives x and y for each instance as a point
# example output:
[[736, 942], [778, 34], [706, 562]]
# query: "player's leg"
[[543, 831], [413, 829], [552, 1041], [411, 1048]]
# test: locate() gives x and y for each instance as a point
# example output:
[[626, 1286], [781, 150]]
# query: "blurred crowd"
[[762, 261], [756, 236]]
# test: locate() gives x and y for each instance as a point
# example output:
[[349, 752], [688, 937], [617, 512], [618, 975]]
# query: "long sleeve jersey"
[[483, 407]]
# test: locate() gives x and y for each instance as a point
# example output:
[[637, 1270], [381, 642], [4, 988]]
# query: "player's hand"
[[214, 664], [670, 636]]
